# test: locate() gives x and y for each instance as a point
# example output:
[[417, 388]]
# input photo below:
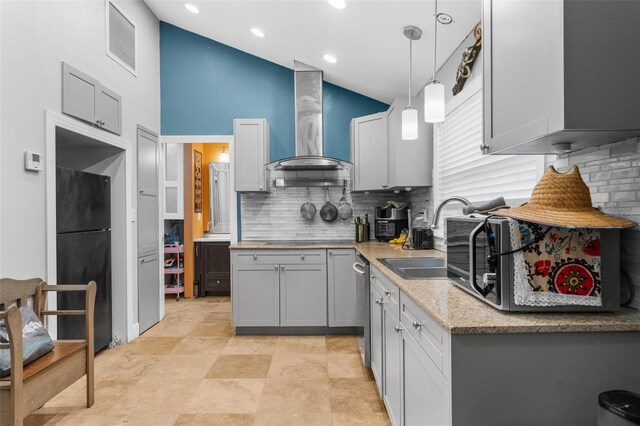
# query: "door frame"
[[53, 120], [184, 139]]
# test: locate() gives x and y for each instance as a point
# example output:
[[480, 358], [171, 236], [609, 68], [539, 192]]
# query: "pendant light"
[[434, 90], [224, 156], [410, 114]]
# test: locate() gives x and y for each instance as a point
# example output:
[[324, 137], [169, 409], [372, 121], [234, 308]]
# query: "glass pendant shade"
[[409, 124], [224, 157], [434, 102]]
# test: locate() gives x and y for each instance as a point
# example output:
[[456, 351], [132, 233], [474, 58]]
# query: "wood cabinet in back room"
[[212, 268]]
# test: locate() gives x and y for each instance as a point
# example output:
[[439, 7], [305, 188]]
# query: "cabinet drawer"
[[389, 291], [428, 333], [277, 257]]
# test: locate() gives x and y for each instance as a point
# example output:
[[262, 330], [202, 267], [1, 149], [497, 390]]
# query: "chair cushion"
[[36, 342]]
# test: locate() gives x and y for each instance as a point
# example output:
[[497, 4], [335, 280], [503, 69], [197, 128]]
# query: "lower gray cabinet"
[[375, 309], [148, 291], [343, 293], [303, 295], [256, 295], [425, 388], [392, 361]]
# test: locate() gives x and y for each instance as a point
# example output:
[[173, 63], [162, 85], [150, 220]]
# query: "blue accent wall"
[[206, 84]]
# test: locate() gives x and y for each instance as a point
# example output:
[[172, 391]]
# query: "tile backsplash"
[[276, 215], [612, 173]]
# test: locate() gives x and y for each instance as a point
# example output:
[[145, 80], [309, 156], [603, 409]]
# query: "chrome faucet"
[[434, 223]]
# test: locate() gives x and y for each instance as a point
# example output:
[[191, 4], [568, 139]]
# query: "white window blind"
[[464, 171]]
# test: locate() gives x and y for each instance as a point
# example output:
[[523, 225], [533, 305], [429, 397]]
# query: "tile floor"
[[192, 369]]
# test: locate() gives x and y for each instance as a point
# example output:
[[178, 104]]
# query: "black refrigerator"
[[83, 226]]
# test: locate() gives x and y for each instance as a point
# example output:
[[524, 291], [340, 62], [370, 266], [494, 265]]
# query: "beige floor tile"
[[240, 367], [232, 396], [156, 395], [217, 316], [346, 366], [342, 344], [295, 396], [220, 328], [369, 419], [354, 396], [299, 366], [248, 345], [216, 419], [170, 329], [295, 419], [183, 366], [219, 307], [124, 367], [151, 345], [43, 419], [198, 345], [301, 344]]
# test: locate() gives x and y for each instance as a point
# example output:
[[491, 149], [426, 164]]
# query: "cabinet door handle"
[[282, 267], [373, 277], [384, 186], [275, 267], [379, 301], [255, 257], [417, 325], [330, 252], [302, 257], [397, 329], [387, 292], [261, 188]]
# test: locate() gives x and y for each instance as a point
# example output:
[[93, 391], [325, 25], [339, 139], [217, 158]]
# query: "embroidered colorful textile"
[[562, 268]]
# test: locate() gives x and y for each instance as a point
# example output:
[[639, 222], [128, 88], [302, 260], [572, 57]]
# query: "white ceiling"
[[366, 37]]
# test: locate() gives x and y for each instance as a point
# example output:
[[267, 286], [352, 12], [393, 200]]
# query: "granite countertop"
[[461, 313], [293, 245], [214, 238]]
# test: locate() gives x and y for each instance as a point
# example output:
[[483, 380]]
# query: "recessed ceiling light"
[[329, 58], [257, 32], [191, 8], [338, 4]]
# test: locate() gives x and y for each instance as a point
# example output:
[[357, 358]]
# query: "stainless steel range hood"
[[308, 125]]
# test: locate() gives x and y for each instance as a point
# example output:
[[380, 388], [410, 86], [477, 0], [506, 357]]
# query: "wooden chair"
[[30, 387]]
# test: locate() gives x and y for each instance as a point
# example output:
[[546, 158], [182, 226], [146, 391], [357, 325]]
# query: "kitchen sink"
[[417, 268]]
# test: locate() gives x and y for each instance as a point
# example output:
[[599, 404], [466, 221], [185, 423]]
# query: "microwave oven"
[[468, 265]]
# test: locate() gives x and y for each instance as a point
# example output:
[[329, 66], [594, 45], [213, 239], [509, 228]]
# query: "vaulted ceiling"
[[366, 36]]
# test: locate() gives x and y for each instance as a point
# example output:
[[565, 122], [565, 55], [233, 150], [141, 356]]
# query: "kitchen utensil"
[[308, 209], [328, 212], [344, 211]]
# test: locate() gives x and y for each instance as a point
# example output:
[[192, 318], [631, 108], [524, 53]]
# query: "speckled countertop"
[[461, 313], [291, 245]]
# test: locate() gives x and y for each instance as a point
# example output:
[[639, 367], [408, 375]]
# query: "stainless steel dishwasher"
[[361, 266]]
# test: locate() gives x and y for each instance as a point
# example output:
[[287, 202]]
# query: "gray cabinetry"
[[148, 291], [369, 150], [85, 98], [274, 288], [303, 295], [425, 388], [342, 289], [256, 295], [410, 162], [392, 364], [251, 153], [376, 302], [572, 83]]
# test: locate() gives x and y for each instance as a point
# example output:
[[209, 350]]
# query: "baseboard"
[[296, 331]]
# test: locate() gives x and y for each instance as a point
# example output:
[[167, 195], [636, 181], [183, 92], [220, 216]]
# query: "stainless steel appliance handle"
[[357, 266], [472, 258]]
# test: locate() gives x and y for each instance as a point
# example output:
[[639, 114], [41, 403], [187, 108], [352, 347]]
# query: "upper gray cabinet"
[[382, 159], [572, 81], [85, 98], [410, 162], [369, 151], [251, 144]]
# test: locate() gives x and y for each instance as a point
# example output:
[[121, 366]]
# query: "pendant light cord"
[[435, 40], [410, 67]]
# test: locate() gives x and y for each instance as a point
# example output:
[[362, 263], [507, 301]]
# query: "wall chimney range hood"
[[308, 125]]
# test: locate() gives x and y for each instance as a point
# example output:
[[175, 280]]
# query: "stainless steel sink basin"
[[417, 268]]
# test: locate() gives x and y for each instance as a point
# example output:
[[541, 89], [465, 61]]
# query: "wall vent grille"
[[121, 38]]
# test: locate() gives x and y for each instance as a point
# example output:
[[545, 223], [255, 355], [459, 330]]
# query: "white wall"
[[35, 37]]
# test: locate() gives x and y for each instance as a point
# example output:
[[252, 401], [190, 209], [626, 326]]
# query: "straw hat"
[[563, 200]]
